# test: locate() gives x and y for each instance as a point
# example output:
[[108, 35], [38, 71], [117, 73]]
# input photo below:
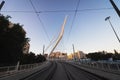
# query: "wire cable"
[[58, 11], [40, 20], [73, 19]]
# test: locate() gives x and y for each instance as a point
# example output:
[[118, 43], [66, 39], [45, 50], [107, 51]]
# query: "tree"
[[99, 55], [28, 58], [40, 58], [11, 41], [116, 55], [95, 56], [32, 58]]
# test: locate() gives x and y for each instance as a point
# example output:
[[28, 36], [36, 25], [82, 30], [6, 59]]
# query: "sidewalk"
[[104, 74]]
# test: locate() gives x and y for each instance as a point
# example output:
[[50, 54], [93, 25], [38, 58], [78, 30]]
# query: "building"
[[80, 55], [63, 56], [77, 55], [26, 48], [70, 56], [11, 25], [58, 55]]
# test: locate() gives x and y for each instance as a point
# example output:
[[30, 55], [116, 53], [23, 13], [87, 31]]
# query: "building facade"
[[77, 55], [26, 48], [58, 55]]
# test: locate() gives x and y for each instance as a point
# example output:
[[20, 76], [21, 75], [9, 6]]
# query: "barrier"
[[9, 70], [113, 67]]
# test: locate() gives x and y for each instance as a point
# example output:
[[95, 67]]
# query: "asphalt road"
[[62, 71]]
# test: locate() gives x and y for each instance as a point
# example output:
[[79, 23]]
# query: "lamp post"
[[108, 19]]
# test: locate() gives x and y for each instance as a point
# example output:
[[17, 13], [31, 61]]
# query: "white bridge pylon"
[[59, 36]]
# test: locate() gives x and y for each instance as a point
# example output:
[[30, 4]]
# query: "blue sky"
[[89, 33]]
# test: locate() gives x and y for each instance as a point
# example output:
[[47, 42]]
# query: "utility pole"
[[115, 7], [108, 18], [73, 52], [1, 5], [43, 49]]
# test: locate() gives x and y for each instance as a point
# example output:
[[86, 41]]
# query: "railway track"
[[62, 71], [44, 74]]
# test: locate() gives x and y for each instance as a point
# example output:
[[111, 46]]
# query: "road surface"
[[58, 70]]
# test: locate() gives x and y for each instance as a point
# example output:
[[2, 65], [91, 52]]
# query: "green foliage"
[[11, 41], [28, 58], [32, 58], [103, 55], [40, 58]]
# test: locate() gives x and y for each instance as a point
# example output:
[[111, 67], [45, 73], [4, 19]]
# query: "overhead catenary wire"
[[40, 20], [73, 18], [81, 10], [57, 11], [15, 11]]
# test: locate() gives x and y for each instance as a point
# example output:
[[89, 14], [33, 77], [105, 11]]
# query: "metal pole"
[[43, 49], [1, 5], [108, 18], [115, 7], [73, 51], [17, 66]]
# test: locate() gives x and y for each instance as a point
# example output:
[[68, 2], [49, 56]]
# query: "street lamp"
[[108, 19]]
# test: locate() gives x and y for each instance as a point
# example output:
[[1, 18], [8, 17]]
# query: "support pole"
[[74, 52], [108, 18], [43, 49], [1, 5], [115, 7]]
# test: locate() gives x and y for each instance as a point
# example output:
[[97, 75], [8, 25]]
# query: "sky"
[[86, 27]]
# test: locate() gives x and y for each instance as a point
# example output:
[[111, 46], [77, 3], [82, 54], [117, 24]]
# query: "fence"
[[8, 70], [108, 66]]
